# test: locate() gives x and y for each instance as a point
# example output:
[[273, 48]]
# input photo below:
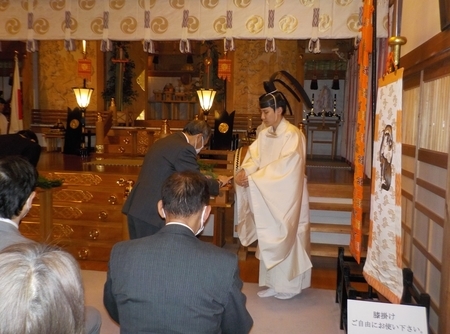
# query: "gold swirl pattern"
[[242, 3], [116, 4], [343, 3], [353, 22], [86, 4], [73, 25], [279, 3], [13, 26], [24, 4], [209, 3], [41, 26], [4, 4], [57, 4], [177, 4], [128, 25], [288, 24], [97, 25], [307, 3], [142, 3], [159, 25], [325, 22], [255, 24], [193, 24], [386, 23], [220, 25]]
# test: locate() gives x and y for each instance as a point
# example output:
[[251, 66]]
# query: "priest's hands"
[[241, 179]]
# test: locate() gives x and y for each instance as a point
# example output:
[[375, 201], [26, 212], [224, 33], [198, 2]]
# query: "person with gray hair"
[[41, 291], [17, 190], [174, 153]]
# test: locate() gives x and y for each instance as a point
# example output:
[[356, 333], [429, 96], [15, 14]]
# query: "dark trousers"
[[138, 228]]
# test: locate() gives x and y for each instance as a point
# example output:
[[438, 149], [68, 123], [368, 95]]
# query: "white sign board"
[[366, 317]]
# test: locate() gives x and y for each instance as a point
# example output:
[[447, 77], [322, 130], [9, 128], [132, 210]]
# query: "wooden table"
[[219, 208], [322, 124]]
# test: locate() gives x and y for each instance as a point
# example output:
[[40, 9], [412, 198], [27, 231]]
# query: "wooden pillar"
[[444, 298], [46, 214]]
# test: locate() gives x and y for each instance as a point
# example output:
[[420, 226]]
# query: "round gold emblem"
[[74, 123], [223, 127]]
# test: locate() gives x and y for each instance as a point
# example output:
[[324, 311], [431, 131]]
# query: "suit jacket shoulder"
[[10, 235]]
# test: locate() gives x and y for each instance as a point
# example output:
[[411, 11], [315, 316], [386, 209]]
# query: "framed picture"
[[444, 11]]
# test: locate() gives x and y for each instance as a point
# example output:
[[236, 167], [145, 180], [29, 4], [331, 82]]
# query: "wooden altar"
[[84, 216]]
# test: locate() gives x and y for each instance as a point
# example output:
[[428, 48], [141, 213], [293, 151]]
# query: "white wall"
[[420, 22]]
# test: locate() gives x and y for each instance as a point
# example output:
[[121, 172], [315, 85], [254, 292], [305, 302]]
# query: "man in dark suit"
[[24, 143], [174, 153], [17, 183], [172, 282]]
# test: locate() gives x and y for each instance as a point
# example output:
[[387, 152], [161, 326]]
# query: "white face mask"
[[202, 223], [198, 149]]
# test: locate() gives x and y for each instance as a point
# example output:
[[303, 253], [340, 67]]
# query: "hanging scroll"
[[383, 266]]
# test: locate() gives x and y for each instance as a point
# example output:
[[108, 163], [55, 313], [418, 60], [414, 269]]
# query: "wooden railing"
[[44, 118]]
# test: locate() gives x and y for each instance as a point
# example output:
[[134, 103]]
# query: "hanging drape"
[[151, 20], [351, 95]]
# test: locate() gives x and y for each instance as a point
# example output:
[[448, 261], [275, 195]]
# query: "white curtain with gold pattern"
[[157, 20]]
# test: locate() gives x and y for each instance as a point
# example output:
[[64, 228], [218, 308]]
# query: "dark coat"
[[15, 144], [172, 282], [166, 156]]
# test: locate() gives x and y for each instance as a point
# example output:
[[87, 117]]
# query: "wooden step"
[[319, 250], [330, 206], [330, 250], [330, 228], [330, 190]]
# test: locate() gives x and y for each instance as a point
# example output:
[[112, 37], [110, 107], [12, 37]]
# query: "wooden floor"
[[318, 171], [323, 271]]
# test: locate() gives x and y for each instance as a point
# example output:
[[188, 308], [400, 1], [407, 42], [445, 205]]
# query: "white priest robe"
[[274, 208]]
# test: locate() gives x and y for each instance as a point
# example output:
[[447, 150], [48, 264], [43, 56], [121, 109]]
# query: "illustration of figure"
[[386, 155]]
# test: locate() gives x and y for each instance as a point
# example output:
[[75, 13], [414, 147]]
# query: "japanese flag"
[[16, 123]]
